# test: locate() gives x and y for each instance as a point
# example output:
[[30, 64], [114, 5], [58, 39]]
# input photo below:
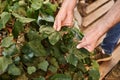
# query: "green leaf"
[[95, 65], [7, 41], [36, 4], [43, 65], [71, 59], [10, 51], [31, 69], [58, 55], [22, 3], [53, 69], [84, 52], [81, 54], [54, 62], [33, 35], [18, 27], [93, 74], [27, 51], [14, 70], [37, 48], [48, 8], [22, 77], [14, 8], [5, 16], [78, 76], [46, 30], [23, 19], [17, 60], [47, 18], [2, 6], [60, 77], [31, 11], [40, 78], [78, 34], [54, 38], [4, 63], [81, 67]]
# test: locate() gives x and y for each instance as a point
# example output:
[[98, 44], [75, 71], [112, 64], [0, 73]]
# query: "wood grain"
[[97, 14], [105, 67], [95, 5]]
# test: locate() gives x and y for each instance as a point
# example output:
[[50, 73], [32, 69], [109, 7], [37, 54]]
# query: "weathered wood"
[[105, 67], [114, 74], [97, 14], [77, 16], [95, 5], [86, 29]]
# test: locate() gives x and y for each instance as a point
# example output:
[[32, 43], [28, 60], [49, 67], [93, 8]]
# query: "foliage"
[[32, 49]]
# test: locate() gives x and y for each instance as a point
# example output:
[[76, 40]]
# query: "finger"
[[81, 45], [55, 25], [58, 25], [88, 47], [83, 40]]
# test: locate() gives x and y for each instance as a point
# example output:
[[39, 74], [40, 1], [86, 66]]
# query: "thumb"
[[89, 48], [81, 45]]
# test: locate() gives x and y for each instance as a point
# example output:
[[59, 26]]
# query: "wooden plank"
[[105, 67], [95, 5], [98, 13], [77, 16], [86, 29]]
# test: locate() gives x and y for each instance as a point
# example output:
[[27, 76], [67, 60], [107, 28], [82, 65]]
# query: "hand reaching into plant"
[[65, 15], [89, 41], [63, 18]]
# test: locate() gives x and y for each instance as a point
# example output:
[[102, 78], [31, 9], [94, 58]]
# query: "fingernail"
[[77, 47], [58, 29]]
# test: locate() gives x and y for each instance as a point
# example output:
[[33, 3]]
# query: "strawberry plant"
[[32, 50]]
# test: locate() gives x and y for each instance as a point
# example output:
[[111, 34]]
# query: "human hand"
[[89, 41], [63, 18]]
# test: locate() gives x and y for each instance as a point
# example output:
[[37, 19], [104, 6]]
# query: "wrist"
[[69, 5]]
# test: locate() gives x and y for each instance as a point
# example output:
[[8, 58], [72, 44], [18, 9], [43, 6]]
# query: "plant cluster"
[[32, 50]]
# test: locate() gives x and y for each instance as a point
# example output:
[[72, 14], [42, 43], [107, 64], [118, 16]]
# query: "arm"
[[65, 14], [108, 21], [69, 4]]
